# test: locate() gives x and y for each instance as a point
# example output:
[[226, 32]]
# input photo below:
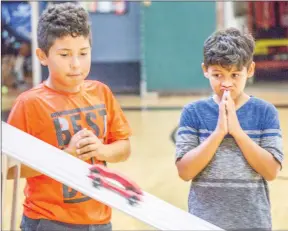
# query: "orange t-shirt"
[[55, 117]]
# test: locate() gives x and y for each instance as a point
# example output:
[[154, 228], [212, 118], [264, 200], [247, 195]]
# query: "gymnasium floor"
[[152, 162]]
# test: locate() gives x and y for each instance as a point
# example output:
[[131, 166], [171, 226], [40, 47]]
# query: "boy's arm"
[[85, 145], [116, 146], [192, 158], [265, 159], [19, 118], [260, 159], [117, 151], [195, 160], [26, 172]]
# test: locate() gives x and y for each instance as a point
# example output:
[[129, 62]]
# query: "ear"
[[42, 57], [251, 70], [205, 71]]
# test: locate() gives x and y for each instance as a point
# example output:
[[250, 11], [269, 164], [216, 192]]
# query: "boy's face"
[[68, 61], [222, 79]]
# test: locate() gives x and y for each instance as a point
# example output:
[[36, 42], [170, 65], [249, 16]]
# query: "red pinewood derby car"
[[99, 175]]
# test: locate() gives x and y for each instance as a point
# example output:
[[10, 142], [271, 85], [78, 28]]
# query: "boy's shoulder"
[[31, 94], [91, 86], [200, 104], [97, 87], [261, 102], [262, 106]]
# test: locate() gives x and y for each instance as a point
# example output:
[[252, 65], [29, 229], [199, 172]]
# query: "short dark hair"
[[229, 47], [60, 20]]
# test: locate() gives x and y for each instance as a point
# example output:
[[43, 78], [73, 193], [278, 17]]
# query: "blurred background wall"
[[141, 47]]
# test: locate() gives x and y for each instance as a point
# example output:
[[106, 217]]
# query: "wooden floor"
[[152, 162]]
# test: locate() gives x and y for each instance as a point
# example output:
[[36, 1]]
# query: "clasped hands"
[[228, 122], [85, 145]]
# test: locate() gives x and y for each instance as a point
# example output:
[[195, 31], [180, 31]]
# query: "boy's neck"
[[56, 86]]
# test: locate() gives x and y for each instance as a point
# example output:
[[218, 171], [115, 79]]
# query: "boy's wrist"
[[103, 152], [69, 151], [238, 134], [219, 133]]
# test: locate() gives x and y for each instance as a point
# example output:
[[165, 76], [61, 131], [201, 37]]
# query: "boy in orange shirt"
[[79, 116]]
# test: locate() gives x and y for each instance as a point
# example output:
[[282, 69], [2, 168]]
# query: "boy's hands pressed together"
[[232, 120], [222, 125]]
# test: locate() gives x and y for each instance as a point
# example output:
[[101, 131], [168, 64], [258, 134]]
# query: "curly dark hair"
[[60, 20], [229, 47]]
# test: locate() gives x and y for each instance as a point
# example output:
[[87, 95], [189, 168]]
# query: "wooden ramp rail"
[[49, 160]]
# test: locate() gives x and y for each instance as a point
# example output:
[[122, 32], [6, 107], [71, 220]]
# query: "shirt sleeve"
[[271, 135], [118, 126], [187, 133], [19, 117]]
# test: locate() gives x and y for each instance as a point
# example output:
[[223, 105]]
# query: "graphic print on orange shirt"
[[69, 122]]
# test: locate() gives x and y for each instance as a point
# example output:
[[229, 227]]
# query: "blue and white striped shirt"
[[229, 192]]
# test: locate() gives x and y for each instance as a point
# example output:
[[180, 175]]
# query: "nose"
[[75, 63], [226, 83]]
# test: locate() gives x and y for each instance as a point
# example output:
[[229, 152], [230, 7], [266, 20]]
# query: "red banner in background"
[[264, 15], [268, 22], [284, 14]]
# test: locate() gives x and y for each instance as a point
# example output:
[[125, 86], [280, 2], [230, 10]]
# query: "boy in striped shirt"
[[230, 144]]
